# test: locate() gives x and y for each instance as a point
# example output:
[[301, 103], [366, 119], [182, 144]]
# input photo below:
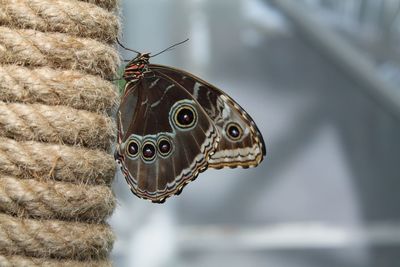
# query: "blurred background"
[[322, 80]]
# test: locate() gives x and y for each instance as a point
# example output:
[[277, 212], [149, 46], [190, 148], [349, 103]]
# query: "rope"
[[54, 238], [55, 124], [56, 87], [35, 160], [57, 50], [30, 198], [56, 131], [66, 16], [13, 260]]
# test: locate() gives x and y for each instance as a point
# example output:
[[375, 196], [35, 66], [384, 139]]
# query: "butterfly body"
[[172, 125]]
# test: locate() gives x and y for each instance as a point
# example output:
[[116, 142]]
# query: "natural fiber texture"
[[56, 131], [56, 87], [55, 162], [54, 238], [66, 16], [13, 261], [57, 50], [107, 4], [55, 124], [55, 200]]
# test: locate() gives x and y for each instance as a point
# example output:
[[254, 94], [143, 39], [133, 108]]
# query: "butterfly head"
[[136, 67]]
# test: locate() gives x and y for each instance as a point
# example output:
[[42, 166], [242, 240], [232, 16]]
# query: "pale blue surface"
[[332, 169]]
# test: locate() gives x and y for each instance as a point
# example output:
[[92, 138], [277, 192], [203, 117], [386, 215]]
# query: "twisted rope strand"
[[107, 4], [57, 50], [54, 57], [55, 200], [63, 163], [55, 124], [53, 238], [66, 16], [14, 260], [56, 87]]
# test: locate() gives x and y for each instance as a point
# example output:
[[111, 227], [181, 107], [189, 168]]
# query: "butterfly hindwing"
[[165, 137], [241, 143]]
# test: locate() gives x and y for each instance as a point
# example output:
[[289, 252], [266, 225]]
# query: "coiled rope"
[[56, 131]]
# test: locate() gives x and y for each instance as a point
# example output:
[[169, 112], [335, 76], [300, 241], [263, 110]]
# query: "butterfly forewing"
[[171, 151]]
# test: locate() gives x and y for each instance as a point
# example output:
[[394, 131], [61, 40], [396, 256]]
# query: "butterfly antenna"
[[169, 48], [126, 48]]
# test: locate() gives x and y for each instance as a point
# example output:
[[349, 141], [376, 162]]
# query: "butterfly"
[[173, 125]]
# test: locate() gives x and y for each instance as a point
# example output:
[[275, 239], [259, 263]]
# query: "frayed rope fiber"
[[57, 50], [59, 125], [14, 260], [56, 87], [56, 131], [41, 161], [66, 16], [54, 238]]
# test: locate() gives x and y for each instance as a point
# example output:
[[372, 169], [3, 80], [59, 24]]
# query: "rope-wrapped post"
[[56, 131]]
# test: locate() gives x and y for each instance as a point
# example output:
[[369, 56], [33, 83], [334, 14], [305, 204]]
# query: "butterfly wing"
[[165, 138], [241, 143]]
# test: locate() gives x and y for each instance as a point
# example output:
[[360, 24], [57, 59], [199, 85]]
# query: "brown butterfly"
[[172, 125]]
